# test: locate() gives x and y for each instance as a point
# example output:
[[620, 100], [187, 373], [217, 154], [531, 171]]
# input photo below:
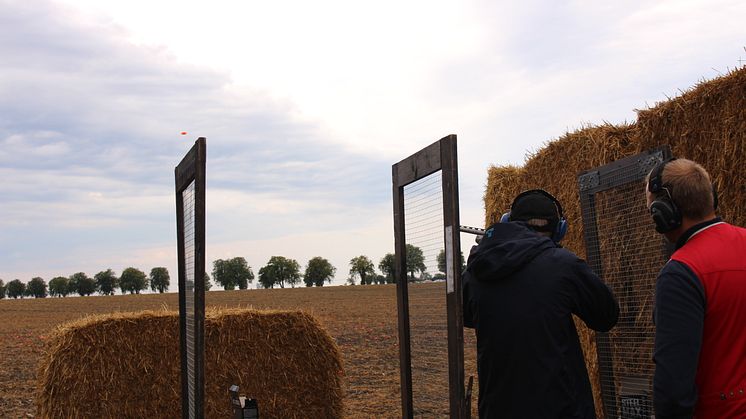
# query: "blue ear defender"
[[560, 230]]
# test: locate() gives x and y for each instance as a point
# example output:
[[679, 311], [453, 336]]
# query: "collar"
[[694, 230]]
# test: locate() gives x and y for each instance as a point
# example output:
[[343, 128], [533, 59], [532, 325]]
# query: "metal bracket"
[[647, 163], [589, 180]]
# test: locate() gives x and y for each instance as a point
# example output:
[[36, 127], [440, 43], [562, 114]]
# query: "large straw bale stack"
[[128, 365], [707, 124]]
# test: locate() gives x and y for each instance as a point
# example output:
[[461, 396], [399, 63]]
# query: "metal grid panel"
[[188, 199], [624, 249], [423, 214]]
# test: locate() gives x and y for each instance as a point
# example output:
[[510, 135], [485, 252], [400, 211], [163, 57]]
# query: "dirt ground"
[[362, 320]]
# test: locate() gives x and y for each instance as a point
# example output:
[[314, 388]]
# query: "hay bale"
[[707, 124], [128, 365]]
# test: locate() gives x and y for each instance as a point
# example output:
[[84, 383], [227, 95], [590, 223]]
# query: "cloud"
[[304, 112], [89, 137]]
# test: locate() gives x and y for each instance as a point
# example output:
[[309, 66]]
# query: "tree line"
[[281, 271], [105, 282], [416, 270], [231, 274]]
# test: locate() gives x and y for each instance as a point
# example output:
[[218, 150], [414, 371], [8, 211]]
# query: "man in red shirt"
[[700, 301]]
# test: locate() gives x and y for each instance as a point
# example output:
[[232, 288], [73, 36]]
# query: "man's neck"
[[686, 224]]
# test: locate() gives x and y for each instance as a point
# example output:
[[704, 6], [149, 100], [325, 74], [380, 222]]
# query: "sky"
[[305, 107]]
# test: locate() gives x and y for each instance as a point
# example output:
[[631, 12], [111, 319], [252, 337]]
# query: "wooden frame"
[[442, 156], [191, 171]]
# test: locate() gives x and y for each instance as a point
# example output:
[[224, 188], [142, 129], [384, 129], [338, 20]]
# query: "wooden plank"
[[418, 165], [186, 169], [199, 274], [402, 299], [452, 231], [182, 295]]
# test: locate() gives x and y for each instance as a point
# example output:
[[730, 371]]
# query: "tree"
[[15, 289], [159, 279], [133, 280], [2, 289], [106, 282], [208, 284], [58, 286], [387, 265], [72, 284], [318, 271], [442, 261], [82, 284], [37, 288], [362, 267], [221, 276], [232, 273], [278, 271], [415, 261]]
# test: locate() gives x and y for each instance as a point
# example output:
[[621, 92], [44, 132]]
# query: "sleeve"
[[594, 302], [466, 301], [679, 321]]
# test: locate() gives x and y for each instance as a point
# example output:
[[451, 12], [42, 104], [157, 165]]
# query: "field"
[[361, 319]]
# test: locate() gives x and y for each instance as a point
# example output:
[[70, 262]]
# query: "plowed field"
[[362, 320]]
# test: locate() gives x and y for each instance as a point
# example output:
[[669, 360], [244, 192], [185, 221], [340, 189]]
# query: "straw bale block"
[[128, 365]]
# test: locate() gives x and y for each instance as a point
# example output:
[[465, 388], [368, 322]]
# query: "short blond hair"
[[690, 187]]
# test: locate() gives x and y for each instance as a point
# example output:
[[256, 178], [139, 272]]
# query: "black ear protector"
[[560, 230], [664, 211]]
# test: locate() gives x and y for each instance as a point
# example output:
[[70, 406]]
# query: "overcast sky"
[[305, 106]]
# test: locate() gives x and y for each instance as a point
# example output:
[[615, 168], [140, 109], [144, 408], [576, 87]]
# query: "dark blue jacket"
[[520, 290]]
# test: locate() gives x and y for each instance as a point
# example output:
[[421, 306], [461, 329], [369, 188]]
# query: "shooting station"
[[426, 224], [598, 172], [190, 229], [623, 250]]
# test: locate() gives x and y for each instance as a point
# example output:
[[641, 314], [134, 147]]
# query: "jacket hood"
[[504, 249]]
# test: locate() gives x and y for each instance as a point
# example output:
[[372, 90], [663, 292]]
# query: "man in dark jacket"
[[520, 291]]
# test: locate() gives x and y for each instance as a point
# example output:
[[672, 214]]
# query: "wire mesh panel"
[[423, 214], [188, 200], [626, 252], [426, 233], [190, 226]]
